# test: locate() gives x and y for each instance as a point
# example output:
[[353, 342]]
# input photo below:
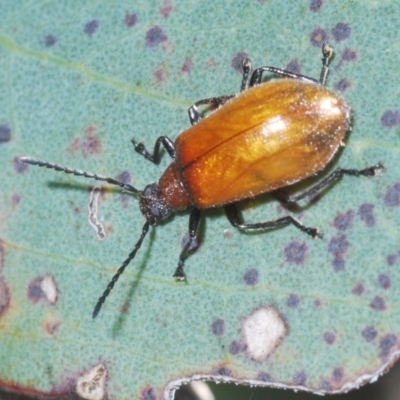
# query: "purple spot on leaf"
[[187, 65], [155, 36], [378, 304], [293, 301], [235, 347], [343, 85], [5, 296], [300, 378], [294, 66], [251, 277], [384, 281], [390, 118], [344, 221], [341, 31], [338, 374], [358, 289], [315, 5], [50, 40], [237, 61], [224, 371], [317, 303], [318, 36], [369, 333], [295, 252], [91, 27], [349, 55], [264, 377], [329, 337], [5, 133], [166, 9], [218, 327], [338, 264], [325, 384], [19, 167], [392, 196], [148, 394], [366, 213], [338, 246], [130, 20], [391, 259], [385, 345]]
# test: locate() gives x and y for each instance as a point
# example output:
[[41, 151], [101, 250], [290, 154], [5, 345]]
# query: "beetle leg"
[[333, 177], [194, 220], [154, 158], [257, 75], [194, 114], [233, 217], [326, 55], [246, 74]]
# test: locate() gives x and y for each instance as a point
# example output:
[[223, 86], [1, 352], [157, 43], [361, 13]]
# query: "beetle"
[[269, 136]]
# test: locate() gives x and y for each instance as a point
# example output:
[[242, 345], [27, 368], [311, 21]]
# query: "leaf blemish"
[[369, 333], [91, 27], [294, 66], [251, 277], [50, 40], [319, 36], [166, 8], [187, 65], [235, 347], [155, 36], [344, 221], [366, 213], [237, 61], [384, 281], [378, 304], [315, 5], [392, 196], [19, 167], [130, 20], [93, 208], [91, 385], [224, 371], [300, 378], [349, 55], [296, 252], [43, 288], [341, 31], [329, 337], [148, 394], [338, 374], [263, 332], [264, 377], [358, 289], [386, 344], [5, 133], [5, 297], [343, 85], [390, 118], [88, 146], [218, 327], [293, 300]]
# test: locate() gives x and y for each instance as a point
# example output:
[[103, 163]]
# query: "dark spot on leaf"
[[124, 177], [378, 304], [224, 371], [2, 255], [194, 246], [91, 27], [19, 167], [338, 374], [294, 66], [329, 337], [318, 36], [338, 246], [391, 259], [4, 296], [235, 347], [155, 36], [366, 213], [88, 146], [341, 31], [130, 20], [264, 377], [160, 75], [35, 292], [390, 118], [317, 303], [392, 196], [369, 333], [15, 199], [325, 384], [295, 252], [52, 328], [251, 277], [187, 65], [315, 5], [50, 40], [338, 264], [344, 221], [385, 345], [237, 61], [358, 289], [166, 8], [293, 300], [384, 281], [148, 394], [343, 85], [300, 378], [218, 327], [349, 55], [5, 133]]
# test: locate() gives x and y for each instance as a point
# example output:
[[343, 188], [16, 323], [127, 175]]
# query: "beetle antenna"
[[121, 269], [327, 52], [40, 163]]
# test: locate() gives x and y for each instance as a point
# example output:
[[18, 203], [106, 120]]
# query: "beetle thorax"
[[152, 204]]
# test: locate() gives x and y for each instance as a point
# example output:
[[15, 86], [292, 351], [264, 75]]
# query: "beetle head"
[[152, 204]]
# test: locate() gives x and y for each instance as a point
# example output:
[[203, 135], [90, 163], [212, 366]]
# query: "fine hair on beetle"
[[269, 136]]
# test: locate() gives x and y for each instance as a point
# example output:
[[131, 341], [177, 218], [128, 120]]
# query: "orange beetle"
[[269, 136]]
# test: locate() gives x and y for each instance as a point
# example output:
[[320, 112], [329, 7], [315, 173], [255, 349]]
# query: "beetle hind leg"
[[233, 217], [154, 158]]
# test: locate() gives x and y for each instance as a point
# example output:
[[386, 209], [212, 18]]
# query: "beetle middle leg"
[[194, 221], [154, 158], [333, 177], [233, 217], [193, 111]]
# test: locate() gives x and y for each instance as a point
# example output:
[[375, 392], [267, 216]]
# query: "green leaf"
[[79, 80]]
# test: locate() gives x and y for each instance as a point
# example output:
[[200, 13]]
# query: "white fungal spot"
[[93, 208], [263, 332], [49, 288], [91, 385]]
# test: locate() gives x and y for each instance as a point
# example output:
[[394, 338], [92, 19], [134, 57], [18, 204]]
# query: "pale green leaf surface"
[[79, 101]]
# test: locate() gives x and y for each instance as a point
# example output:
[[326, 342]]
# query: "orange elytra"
[[269, 136]]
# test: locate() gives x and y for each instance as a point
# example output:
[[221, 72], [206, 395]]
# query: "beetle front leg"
[[154, 158], [233, 217], [194, 114], [283, 197], [194, 221]]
